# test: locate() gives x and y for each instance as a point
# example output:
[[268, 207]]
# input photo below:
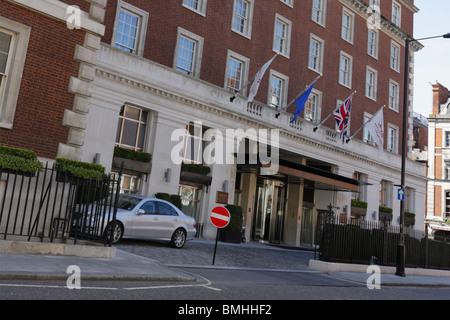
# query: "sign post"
[[220, 217]]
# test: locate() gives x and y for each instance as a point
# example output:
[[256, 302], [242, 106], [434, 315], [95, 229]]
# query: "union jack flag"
[[342, 115]]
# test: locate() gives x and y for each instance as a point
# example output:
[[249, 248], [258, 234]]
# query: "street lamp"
[[400, 271]]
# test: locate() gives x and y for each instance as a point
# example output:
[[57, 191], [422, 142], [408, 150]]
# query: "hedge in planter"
[[19, 160], [232, 232], [81, 170]]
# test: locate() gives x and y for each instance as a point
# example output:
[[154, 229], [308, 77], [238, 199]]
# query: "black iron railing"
[[51, 205], [375, 242]]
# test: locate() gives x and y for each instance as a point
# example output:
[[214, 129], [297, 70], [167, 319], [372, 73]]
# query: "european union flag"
[[300, 102]]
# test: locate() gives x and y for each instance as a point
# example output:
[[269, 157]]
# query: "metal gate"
[[51, 205]]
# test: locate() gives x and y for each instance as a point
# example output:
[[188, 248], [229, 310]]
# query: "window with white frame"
[[395, 56], [194, 143], [188, 53], [198, 6], [290, 3], [319, 11], [132, 128], [366, 133], [277, 89], [345, 69], [447, 139], [347, 30], [242, 17], [392, 138], [385, 193], [282, 35], [394, 91], [14, 38], [237, 71], [316, 48], [372, 43], [396, 13], [371, 83], [313, 106], [130, 28]]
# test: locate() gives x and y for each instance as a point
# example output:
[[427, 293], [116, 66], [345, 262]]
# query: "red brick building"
[[46, 72]]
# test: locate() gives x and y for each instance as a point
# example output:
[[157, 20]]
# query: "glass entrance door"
[[268, 222]]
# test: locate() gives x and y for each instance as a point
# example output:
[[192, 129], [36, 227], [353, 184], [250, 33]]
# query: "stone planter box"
[[195, 178], [132, 165], [358, 211]]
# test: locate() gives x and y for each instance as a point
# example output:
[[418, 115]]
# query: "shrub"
[[131, 154], [195, 168], [20, 160], [83, 170], [360, 204], [236, 213]]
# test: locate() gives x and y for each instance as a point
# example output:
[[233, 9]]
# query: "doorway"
[[268, 217]]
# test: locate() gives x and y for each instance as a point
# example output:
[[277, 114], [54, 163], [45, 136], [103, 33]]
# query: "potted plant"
[[233, 232], [358, 207], [410, 218], [136, 161], [196, 173], [384, 213], [20, 161]]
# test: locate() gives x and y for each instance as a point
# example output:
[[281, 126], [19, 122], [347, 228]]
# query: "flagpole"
[[331, 113], [248, 82], [290, 103], [366, 123]]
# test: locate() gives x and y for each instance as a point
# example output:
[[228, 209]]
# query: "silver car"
[[149, 218]]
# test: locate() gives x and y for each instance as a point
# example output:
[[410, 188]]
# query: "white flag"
[[376, 129], [258, 78]]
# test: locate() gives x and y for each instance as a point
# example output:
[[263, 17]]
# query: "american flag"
[[342, 115]]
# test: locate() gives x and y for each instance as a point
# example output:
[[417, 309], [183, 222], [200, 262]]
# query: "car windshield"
[[127, 202]]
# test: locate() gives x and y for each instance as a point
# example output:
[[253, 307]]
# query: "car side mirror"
[[140, 211]]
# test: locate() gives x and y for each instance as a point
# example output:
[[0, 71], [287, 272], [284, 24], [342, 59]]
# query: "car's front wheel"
[[178, 238], [117, 232]]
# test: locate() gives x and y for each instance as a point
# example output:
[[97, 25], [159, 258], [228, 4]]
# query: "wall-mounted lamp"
[[225, 186], [167, 174]]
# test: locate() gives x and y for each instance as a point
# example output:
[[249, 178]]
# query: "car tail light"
[[194, 225]]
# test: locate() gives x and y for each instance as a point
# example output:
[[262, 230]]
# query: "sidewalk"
[[196, 254]]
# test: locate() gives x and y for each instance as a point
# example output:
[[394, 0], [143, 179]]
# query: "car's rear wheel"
[[117, 232], [178, 238]]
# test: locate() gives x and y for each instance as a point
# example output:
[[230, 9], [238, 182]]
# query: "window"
[[198, 6], [129, 183], [242, 17], [193, 143], [282, 36], [447, 204], [392, 138], [130, 28], [372, 43], [165, 209], [395, 57], [366, 133], [289, 3], [447, 139], [189, 51], [316, 54], [277, 89], [396, 13], [347, 25], [319, 11], [132, 128], [149, 207], [385, 193], [371, 83], [14, 39], [237, 71], [313, 106], [393, 95], [345, 70]]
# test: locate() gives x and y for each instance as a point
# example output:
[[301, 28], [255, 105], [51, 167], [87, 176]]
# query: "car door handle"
[[155, 219]]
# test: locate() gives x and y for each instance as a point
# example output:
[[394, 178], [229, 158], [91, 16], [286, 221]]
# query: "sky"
[[432, 63]]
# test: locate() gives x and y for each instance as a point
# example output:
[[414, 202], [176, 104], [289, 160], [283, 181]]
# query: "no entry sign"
[[220, 217]]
